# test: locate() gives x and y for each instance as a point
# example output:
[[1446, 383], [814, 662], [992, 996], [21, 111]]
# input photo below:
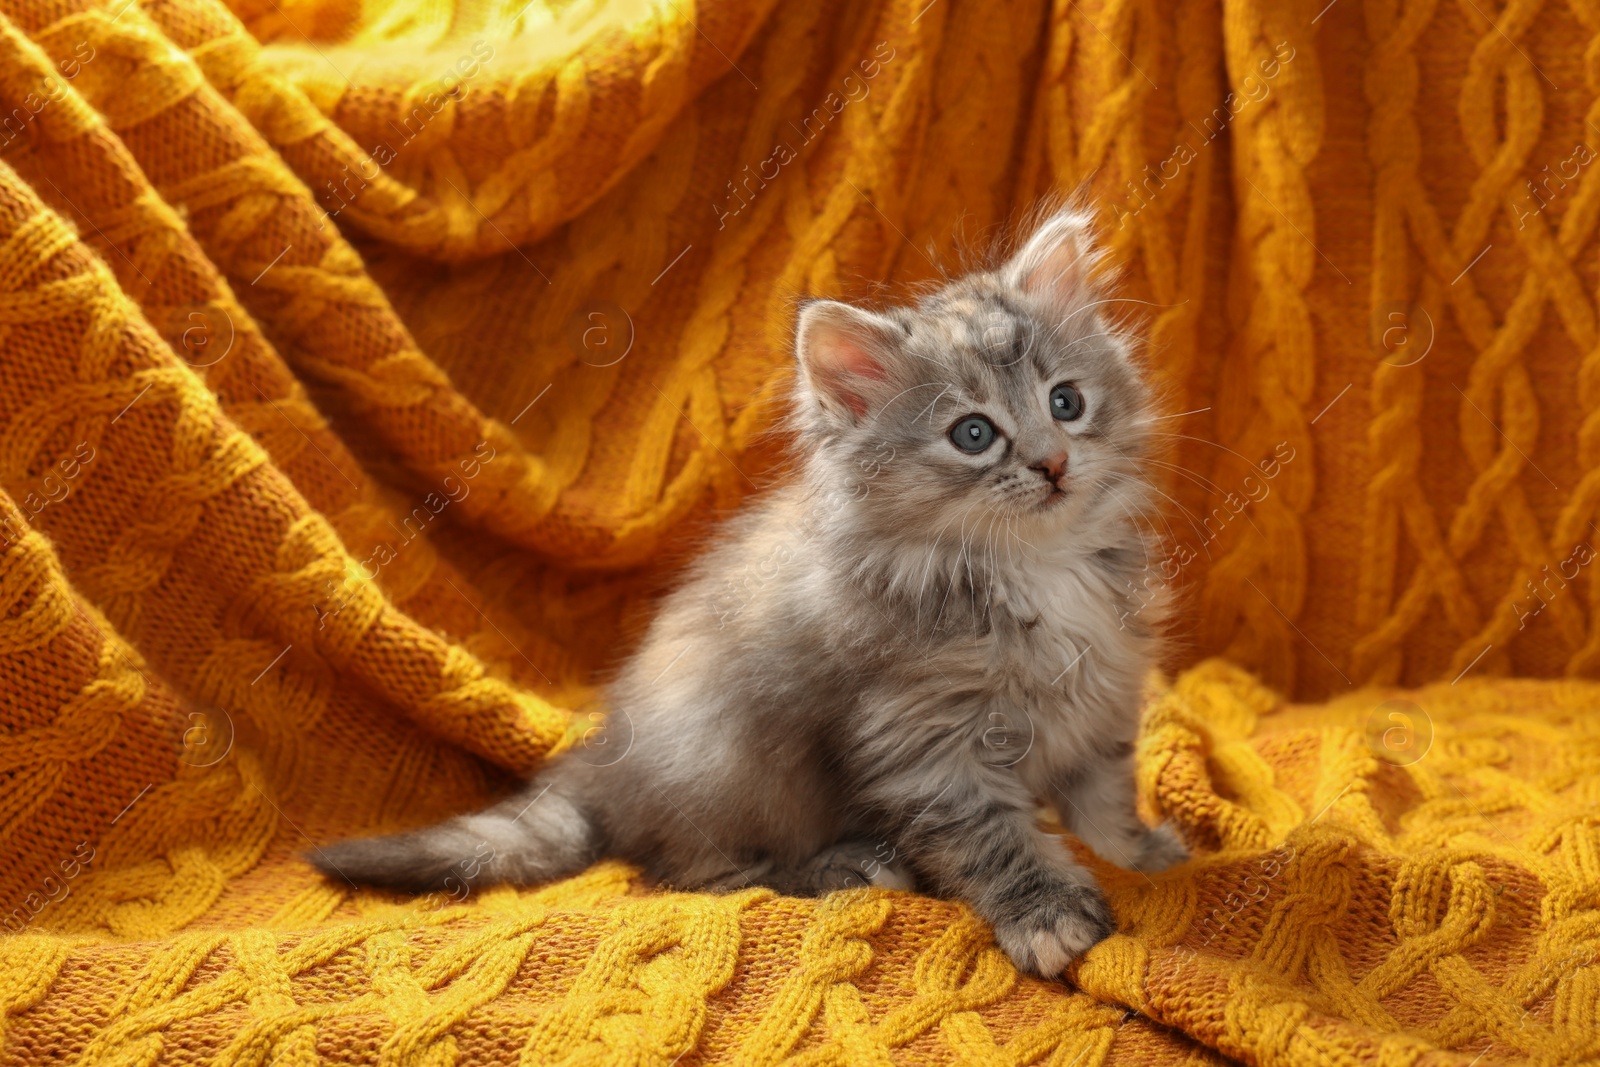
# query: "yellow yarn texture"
[[367, 368]]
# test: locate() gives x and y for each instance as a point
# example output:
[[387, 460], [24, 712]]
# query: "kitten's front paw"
[[1160, 849], [1046, 935]]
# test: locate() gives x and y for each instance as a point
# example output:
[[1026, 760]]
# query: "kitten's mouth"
[[1056, 495]]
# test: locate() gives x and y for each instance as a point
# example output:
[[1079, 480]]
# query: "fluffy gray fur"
[[880, 670]]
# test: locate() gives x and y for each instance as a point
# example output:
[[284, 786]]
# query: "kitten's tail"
[[536, 836]]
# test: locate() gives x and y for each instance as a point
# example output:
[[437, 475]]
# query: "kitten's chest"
[[1064, 661], [1051, 621]]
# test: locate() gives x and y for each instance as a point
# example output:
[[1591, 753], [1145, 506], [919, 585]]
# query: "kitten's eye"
[[1066, 403], [973, 434]]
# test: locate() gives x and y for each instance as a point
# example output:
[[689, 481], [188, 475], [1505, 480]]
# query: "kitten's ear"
[[1055, 263], [845, 356]]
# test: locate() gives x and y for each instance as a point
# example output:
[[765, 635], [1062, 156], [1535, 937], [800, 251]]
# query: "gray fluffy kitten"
[[880, 670]]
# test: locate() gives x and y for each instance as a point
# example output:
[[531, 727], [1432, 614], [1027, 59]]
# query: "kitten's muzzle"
[[1053, 468]]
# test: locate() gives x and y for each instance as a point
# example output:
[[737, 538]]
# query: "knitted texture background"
[[366, 369]]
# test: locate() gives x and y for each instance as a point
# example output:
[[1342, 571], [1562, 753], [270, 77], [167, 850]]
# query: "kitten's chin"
[[1054, 499]]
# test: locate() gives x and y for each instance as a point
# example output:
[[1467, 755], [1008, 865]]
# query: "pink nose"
[[1053, 468]]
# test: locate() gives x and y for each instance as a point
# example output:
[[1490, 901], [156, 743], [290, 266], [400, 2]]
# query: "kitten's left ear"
[[1055, 263]]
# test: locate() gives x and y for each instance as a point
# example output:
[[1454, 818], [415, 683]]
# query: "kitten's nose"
[[1053, 468]]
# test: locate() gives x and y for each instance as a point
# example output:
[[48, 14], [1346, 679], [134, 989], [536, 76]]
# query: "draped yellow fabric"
[[367, 369]]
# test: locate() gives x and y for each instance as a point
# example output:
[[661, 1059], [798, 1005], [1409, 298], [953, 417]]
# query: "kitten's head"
[[1003, 400]]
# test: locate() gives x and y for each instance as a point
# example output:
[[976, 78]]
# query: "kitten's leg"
[[846, 865], [972, 836], [1097, 803]]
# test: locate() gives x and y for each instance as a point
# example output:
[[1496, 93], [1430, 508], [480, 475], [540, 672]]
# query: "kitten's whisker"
[[1144, 542], [1204, 483], [1121, 300], [1146, 485], [909, 388], [934, 545], [1194, 476], [1218, 490], [934, 402], [1027, 348], [1016, 513], [1157, 489], [991, 552], [1004, 515], [963, 555], [1178, 415], [954, 575], [1176, 466], [933, 548], [1101, 492], [1149, 519], [1203, 441], [988, 550], [1188, 513]]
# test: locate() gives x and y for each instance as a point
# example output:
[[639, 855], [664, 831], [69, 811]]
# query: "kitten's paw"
[[846, 865], [1045, 936], [855, 864], [1160, 849]]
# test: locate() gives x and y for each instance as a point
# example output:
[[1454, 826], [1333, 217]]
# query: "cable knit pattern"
[[366, 368]]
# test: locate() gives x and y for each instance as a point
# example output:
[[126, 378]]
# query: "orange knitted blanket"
[[366, 368]]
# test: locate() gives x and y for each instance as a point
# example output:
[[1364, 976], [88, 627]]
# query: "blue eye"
[[973, 434], [1066, 403]]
